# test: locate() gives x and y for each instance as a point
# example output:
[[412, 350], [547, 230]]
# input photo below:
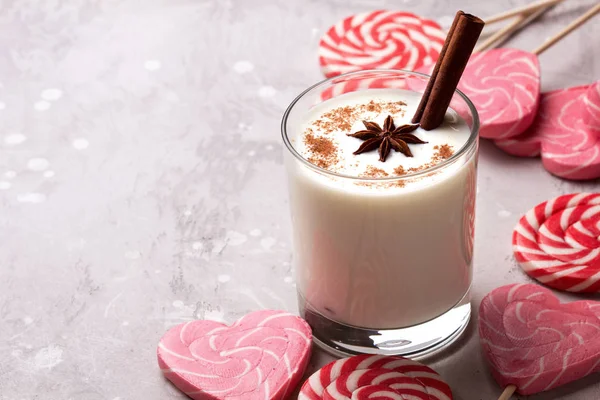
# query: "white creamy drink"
[[380, 253]]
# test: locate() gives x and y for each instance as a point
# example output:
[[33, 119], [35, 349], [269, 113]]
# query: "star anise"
[[387, 138]]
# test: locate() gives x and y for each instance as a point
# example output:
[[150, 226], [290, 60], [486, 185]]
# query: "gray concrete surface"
[[141, 180]]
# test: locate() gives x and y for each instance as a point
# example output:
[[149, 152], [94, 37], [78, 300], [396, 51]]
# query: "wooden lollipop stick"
[[519, 23], [508, 392], [520, 10], [570, 28]]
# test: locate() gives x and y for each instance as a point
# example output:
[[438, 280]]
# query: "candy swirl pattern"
[[558, 242], [262, 356], [504, 85], [380, 39], [375, 377], [566, 132], [536, 343]]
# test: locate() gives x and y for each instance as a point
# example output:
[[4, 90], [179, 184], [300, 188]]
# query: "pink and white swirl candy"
[[536, 343], [555, 120], [375, 377], [262, 356], [504, 85], [380, 39], [558, 242], [566, 132]]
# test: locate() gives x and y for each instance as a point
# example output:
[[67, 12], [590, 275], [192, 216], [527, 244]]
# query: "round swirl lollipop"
[[375, 377], [558, 242], [380, 39]]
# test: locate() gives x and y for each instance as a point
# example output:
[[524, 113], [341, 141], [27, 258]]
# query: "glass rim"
[[463, 150]]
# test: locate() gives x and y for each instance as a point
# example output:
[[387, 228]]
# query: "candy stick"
[[570, 28], [508, 392], [519, 23], [521, 10]]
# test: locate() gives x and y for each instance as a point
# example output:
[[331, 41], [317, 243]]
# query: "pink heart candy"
[[504, 86], [262, 356], [566, 133], [536, 343]]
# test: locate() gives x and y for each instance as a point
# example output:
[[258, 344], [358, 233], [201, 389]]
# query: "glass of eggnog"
[[382, 214]]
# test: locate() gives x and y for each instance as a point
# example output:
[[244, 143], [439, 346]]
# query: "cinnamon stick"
[[436, 69], [453, 59]]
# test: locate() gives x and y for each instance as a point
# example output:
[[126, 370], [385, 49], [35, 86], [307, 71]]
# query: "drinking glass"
[[383, 265]]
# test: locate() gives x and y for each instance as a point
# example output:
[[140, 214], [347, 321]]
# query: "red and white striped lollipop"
[[375, 377], [380, 39], [558, 242]]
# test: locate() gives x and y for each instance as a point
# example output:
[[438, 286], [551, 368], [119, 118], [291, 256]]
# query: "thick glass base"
[[415, 341]]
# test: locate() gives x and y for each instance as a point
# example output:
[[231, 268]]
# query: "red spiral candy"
[[558, 242], [375, 377], [380, 39]]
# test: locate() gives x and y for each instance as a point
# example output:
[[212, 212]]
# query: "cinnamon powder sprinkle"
[[374, 172], [373, 107], [442, 153], [324, 153], [388, 107], [395, 107], [399, 170], [445, 151], [342, 118]]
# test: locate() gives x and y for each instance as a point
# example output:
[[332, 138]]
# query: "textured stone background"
[[141, 180]]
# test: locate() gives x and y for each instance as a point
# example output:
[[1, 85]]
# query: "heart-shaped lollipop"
[[263, 355], [534, 342], [558, 242], [504, 85], [375, 377], [566, 132]]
